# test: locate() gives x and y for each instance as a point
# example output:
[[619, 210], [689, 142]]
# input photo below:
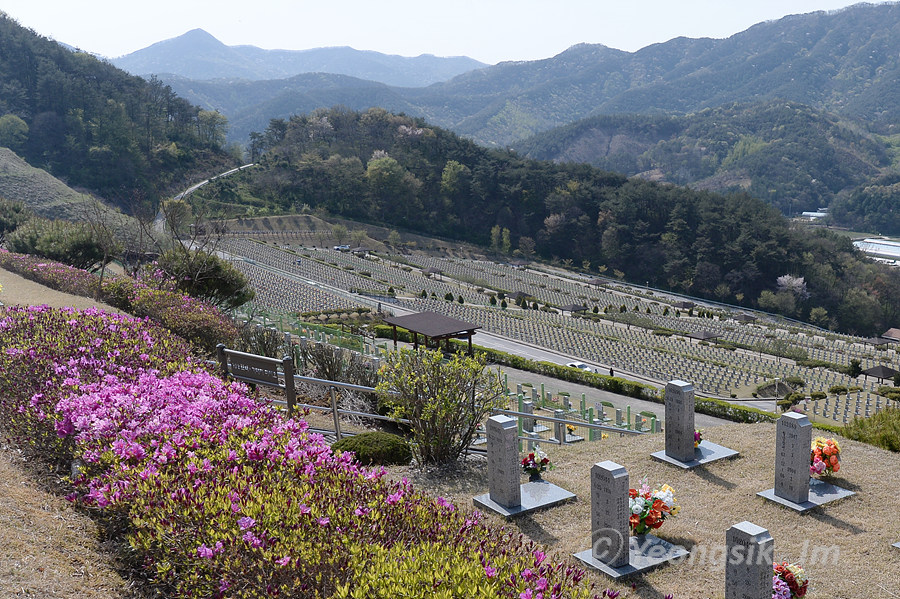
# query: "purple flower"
[[283, 561], [204, 552], [246, 522]]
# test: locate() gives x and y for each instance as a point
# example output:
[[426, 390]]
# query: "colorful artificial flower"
[[649, 508], [698, 437], [536, 462], [791, 575], [824, 457]]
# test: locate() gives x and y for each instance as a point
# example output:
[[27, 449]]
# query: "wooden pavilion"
[[433, 326]]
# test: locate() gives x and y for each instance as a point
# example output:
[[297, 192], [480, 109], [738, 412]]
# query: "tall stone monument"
[[793, 487], [613, 551], [750, 552], [506, 496], [680, 450]]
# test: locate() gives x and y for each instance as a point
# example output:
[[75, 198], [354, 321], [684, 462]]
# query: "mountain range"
[[846, 62], [199, 55]]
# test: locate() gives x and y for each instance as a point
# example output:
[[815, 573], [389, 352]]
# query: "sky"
[[487, 30]]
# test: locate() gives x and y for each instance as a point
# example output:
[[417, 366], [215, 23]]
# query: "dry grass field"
[[856, 533]]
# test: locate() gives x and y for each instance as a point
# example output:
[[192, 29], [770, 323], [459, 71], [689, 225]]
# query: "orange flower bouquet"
[[650, 508], [824, 457]]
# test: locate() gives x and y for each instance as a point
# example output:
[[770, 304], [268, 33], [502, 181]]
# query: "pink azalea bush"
[[52, 274], [199, 322], [46, 354], [218, 495]]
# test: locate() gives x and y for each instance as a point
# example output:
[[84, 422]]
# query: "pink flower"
[[323, 521], [283, 561], [394, 498], [246, 522], [204, 552], [490, 572]]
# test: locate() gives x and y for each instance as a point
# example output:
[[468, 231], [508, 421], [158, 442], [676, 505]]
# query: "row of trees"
[[398, 171]]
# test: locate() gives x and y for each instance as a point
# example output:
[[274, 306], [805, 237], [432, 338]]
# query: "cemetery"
[[649, 340], [840, 546], [822, 525]]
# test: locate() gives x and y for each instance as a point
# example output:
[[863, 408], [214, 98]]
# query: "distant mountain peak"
[[197, 54]]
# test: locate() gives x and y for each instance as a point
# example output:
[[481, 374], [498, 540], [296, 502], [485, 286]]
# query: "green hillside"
[[401, 172], [788, 154], [98, 128]]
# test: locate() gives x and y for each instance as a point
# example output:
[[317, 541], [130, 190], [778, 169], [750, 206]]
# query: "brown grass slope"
[[860, 529]]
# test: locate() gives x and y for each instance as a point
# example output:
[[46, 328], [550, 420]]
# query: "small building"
[[433, 326], [892, 335]]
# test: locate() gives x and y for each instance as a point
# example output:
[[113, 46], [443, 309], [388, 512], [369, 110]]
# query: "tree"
[[495, 238], [358, 237], [12, 216], [13, 132], [444, 400], [58, 240], [526, 246], [393, 239], [339, 232], [204, 275], [105, 226], [819, 316], [212, 128]]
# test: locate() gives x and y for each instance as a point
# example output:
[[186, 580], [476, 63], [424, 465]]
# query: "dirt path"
[[47, 547], [19, 290]]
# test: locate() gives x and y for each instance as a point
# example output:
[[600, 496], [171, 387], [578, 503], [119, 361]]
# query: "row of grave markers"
[[616, 553]]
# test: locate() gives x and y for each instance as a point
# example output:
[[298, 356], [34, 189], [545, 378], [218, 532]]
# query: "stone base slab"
[[820, 493], [642, 556], [704, 454], [534, 496]]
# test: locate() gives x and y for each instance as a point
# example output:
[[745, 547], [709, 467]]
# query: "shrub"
[[444, 400], [881, 430], [217, 495], [817, 395], [795, 381], [889, 392], [61, 277], [837, 389], [46, 354], [376, 448]]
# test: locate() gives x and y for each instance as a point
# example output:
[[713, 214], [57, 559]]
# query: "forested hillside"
[[97, 127], [846, 62], [793, 156], [402, 172]]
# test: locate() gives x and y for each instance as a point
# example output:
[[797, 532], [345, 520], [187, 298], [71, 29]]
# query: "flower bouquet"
[[649, 508], [824, 457], [536, 462], [788, 581], [698, 437]]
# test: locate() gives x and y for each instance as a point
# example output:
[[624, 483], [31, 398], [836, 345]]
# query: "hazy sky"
[[487, 30]]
